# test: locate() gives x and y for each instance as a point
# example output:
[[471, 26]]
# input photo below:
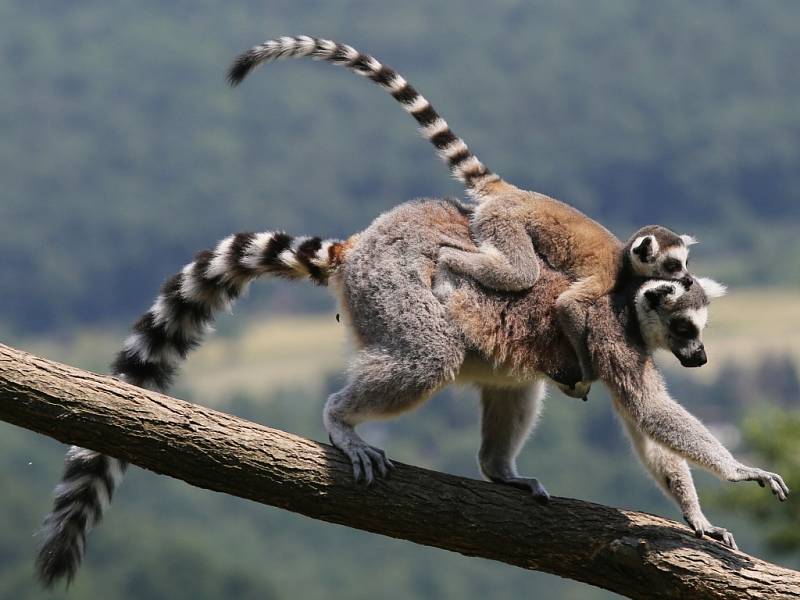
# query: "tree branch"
[[635, 554]]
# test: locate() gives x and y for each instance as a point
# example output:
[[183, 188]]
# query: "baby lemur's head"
[[673, 314], [657, 252]]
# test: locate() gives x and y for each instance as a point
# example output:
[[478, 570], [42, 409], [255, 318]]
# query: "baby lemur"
[[510, 225], [418, 328]]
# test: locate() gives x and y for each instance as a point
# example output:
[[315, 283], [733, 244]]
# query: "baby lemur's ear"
[[645, 247], [657, 295], [689, 240]]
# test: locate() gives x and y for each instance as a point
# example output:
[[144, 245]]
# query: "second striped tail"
[[463, 164]]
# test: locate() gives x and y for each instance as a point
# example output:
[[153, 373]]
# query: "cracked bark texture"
[[634, 554]]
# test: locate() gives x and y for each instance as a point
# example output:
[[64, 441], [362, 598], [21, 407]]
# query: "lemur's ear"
[[689, 240], [712, 289], [657, 295], [645, 247]]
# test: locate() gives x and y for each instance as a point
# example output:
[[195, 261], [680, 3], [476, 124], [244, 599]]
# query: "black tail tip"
[[240, 68], [54, 567]]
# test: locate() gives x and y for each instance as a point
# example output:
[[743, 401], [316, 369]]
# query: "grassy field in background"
[[751, 323], [257, 355]]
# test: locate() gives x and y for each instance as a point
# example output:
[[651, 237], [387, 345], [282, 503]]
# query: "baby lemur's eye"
[[683, 328], [671, 265]]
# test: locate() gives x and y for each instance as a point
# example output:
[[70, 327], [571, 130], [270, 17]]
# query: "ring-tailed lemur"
[[418, 328], [510, 225]]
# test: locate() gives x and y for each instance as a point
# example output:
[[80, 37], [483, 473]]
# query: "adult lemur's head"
[[673, 314]]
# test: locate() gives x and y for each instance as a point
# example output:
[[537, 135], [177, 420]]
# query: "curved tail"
[[176, 323], [463, 164]]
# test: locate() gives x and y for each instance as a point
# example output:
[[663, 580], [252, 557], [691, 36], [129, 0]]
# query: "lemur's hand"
[[764, 478], [702, 527], [579, 390], [452, 257]]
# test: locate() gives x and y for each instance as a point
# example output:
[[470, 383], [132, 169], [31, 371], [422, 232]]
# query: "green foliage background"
[[123, 152]]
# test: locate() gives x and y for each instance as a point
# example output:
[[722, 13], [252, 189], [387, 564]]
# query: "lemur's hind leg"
[[571, 310], [383, 384], [506, 263], [509, 415]]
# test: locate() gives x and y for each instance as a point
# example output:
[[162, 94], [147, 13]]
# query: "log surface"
[[634, 554]]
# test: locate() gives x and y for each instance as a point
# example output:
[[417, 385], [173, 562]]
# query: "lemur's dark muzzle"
[[696, 359]]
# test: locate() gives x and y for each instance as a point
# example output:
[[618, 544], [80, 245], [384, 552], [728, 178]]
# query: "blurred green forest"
[[123, 151]]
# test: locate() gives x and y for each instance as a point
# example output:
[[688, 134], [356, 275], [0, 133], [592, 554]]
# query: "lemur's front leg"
[[505, 261], [508, 416], [672, 474], [657, 415]]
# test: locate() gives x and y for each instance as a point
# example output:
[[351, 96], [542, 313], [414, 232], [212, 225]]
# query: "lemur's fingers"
[[356, 468], [385, 465], [366, 467], [776, 484], [764, 478], [783, 485], [529, 484], [779, 487], [579, 390], [366, 460], [722, 535], [377, 459], [371, 463], [702, 527]]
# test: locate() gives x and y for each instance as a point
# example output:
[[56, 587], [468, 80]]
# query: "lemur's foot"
[[368, 462], [702, 527], [529, 484], [764, 478], [578, 390]]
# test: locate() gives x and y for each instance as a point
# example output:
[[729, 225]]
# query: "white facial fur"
[[698, 316], [680, 253]]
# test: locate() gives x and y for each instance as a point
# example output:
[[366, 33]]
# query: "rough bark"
[[634, 554]]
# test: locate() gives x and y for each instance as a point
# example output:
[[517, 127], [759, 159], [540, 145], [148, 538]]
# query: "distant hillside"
[[123, 151], [253, 354]]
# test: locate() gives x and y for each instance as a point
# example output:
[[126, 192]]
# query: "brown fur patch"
[[337, 253], [521, 331]]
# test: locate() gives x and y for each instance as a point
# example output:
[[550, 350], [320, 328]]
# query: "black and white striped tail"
[[81, 499], [463, 164], [176, 323]]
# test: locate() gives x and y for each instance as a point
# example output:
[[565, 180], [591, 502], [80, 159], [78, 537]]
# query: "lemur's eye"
[[671, 265], [683, 328]]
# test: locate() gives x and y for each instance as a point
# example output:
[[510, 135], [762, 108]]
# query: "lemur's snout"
[[695, 359], [687, 281]]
